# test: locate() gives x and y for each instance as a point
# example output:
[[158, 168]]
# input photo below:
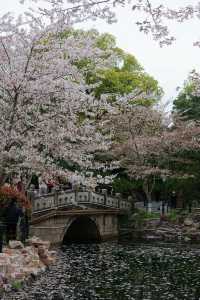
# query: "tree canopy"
[[125, 76], [187, 103]]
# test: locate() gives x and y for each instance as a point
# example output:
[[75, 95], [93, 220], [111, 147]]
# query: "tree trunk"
[[149, 203]]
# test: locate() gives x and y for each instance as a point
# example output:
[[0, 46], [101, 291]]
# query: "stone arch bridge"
[[76, 216]]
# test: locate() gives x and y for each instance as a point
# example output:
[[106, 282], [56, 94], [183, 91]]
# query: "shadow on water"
[[82, 230]]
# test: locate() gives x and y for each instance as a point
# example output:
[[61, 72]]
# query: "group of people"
[[45, 188], [42, 186], [13, 217]]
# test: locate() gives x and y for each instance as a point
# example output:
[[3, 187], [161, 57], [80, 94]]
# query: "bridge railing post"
[[56, 199], [104, 192], [76, 195], [90, 197], [118, 195]]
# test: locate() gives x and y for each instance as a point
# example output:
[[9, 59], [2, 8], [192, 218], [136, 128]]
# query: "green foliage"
[[148, 215], [172, 216], [85, 63], [125, 76], [130, 63], [120, 82], [188, 187], [68, 165], [191, 190], [103, 157], [140, 216], [143, 102], [122, 77], [186, 162], [126, 186], [187, 104], [81, 117], [17, 285], [105, 41]]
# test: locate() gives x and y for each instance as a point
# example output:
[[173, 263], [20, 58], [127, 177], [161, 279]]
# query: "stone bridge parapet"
[[82, 199]]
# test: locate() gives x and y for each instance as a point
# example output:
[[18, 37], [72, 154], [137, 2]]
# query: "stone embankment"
[[156, 230], [19, 263]]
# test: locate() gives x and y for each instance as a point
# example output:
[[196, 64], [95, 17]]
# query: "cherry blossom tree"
[[41, 94], [147, 149]]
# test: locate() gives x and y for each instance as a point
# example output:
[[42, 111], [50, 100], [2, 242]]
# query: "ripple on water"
[[110, 271]]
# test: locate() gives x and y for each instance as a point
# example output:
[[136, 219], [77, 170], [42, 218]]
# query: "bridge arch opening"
[[82, 230]]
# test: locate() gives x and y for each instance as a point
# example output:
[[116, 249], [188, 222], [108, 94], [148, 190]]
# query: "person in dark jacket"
[[12, 214], [24, 225], [2, 227]]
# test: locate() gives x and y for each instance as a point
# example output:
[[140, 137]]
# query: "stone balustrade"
[[77, 198]]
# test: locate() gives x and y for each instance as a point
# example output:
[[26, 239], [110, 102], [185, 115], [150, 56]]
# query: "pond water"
[[113, 271]]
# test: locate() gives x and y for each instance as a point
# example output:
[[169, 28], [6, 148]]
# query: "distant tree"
[[190, 190], [187, 103], [125, 75]]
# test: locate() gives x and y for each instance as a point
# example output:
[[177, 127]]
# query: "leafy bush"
[[8, 192], [17, 285], [172, 215], [140, 216]]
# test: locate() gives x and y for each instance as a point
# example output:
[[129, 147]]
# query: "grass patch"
[[140, 216], [172, 215]]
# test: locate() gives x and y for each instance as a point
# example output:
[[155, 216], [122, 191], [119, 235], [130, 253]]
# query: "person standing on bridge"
[[50, 184], [42, 187]]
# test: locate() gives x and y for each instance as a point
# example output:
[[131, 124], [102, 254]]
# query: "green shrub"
[[147, 215], [139, 217], [17, 285], [172, 215]]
